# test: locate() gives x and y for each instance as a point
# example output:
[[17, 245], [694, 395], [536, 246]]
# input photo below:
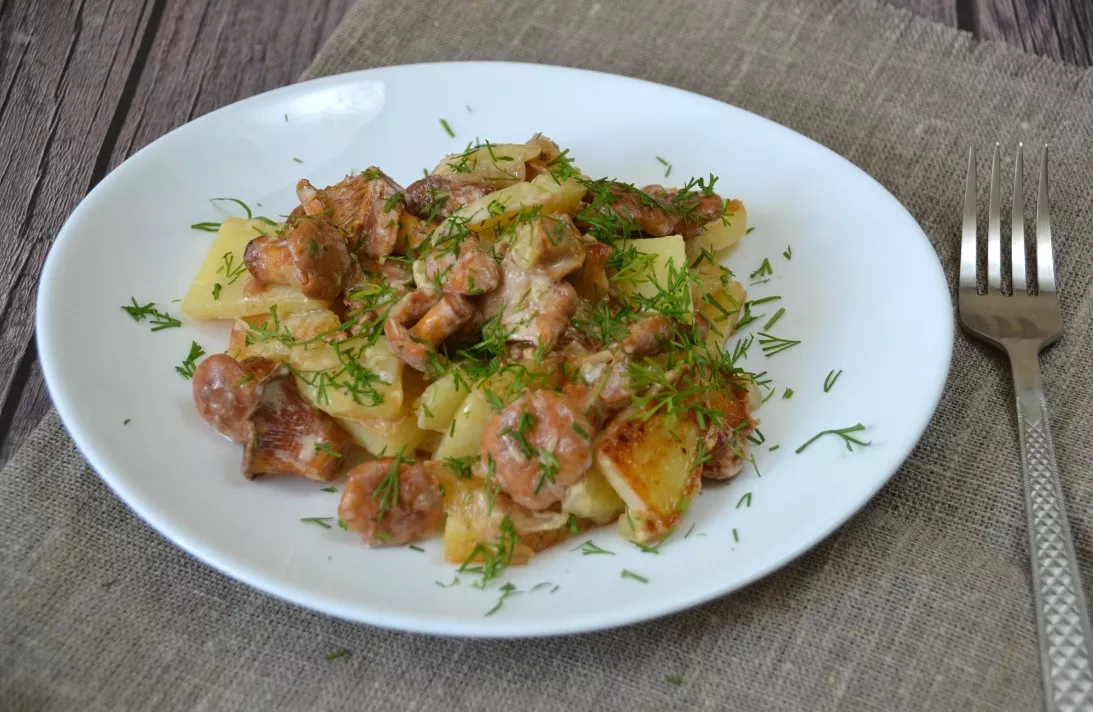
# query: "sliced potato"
[[342, 376], [385, 438], [502, 206], [657, 266], [567, 193], [493, 163], [224, 266], [652, 465], [281, 339], [439, 404], [464, 435], [722, 307], [351, 380], [720, 235], [593, 498], [475, 518]]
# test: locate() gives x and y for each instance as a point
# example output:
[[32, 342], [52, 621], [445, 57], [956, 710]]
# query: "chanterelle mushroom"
[[366, 206], [310, 253], [391, 502], [255, 402]]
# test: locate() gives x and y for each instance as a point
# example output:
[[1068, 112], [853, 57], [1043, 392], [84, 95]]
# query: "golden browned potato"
[[652, 464]]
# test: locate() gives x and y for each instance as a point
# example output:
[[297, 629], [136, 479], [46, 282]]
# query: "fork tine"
[[967, 242], [1017, 224], [1045, 265], [994, 229]]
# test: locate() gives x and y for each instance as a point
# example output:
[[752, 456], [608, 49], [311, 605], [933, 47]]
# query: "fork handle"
[[1066, 641]]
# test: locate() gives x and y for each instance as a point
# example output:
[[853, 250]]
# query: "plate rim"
[[393, 620]]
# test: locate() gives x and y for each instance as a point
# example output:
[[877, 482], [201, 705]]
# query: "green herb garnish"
[[588, 549], [238, 202], [829, 382], [327, 448], [843, 433], [159, 320], [495, 556], [774, 319], [186, 370], [507, 590], [765, 270], [774, 344], [387, 491]]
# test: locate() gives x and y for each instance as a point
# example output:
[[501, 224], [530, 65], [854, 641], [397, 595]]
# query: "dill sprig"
[[387, 491], [159, 320], [186, 370], [238, 202], [774, 319], [490, 559], [506, 591], [844, 433], [326, 448], [590, 549], [829, 382], [772, 345], [229, 268]]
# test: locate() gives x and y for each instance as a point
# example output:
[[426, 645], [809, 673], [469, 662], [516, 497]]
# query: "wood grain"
[[85, 83], [63, 74], [1060, 29]]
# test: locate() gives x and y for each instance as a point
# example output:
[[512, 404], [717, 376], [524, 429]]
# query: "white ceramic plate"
[[863, 292]]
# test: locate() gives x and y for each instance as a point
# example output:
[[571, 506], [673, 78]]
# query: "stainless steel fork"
[[1022, 323]]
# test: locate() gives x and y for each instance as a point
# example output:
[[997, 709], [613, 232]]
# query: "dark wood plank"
[[1060, 29], [209, 53], [64, 69], [109, 79]]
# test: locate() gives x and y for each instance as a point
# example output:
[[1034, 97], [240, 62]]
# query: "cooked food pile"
[[508, 351]]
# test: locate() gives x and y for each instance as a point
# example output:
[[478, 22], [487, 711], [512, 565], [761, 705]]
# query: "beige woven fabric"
[[921, 602]]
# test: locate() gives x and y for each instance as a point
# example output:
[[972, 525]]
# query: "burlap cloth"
[[921, 602]]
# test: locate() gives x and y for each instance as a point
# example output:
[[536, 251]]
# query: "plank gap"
[[19, 380], [125, 100], [965, 16]]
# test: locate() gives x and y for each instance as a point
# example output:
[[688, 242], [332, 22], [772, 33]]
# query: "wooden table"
[[86, 83]]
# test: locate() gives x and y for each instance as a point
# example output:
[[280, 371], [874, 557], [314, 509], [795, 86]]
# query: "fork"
[[1022, 323]]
